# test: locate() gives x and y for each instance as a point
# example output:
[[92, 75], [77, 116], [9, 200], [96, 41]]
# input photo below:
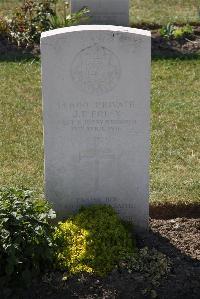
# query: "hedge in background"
[[33, 17]]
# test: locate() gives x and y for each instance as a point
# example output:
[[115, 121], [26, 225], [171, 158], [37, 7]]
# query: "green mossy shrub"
[[26, 247], [171, 31], [182, 32], [94, 240]]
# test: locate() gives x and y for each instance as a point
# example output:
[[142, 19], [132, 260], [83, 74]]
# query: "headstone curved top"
[[104, 12], [96, 96]]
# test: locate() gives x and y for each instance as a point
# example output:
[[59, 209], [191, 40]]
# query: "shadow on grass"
[[11, 53], [170, 211], [168, 55], [24, 57], [18, 57]]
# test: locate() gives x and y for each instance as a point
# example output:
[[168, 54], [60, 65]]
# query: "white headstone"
[[104, 12], [96, 97]]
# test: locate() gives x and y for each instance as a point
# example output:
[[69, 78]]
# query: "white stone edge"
[[80, 28]]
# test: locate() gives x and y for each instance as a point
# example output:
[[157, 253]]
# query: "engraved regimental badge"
[[96, 70]]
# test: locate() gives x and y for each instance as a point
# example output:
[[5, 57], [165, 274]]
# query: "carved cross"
[[97, 154]]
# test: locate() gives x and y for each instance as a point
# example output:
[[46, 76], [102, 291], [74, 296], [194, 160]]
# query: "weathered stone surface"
[[96, 97]]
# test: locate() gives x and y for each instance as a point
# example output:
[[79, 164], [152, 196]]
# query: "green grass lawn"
[[164, 11], [152, 11], [21, 158], [175, 159], [7, 6]]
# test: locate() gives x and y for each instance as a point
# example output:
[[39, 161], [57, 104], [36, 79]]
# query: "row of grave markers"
[[96, 98], [104, 12]]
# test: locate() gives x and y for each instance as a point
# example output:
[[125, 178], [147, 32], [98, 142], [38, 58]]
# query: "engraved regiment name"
[[99, 116]]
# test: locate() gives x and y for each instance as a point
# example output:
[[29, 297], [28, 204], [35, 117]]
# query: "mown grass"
[[21, 150], [148, 11], [164, 11], [175, 157], [8, 6]]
